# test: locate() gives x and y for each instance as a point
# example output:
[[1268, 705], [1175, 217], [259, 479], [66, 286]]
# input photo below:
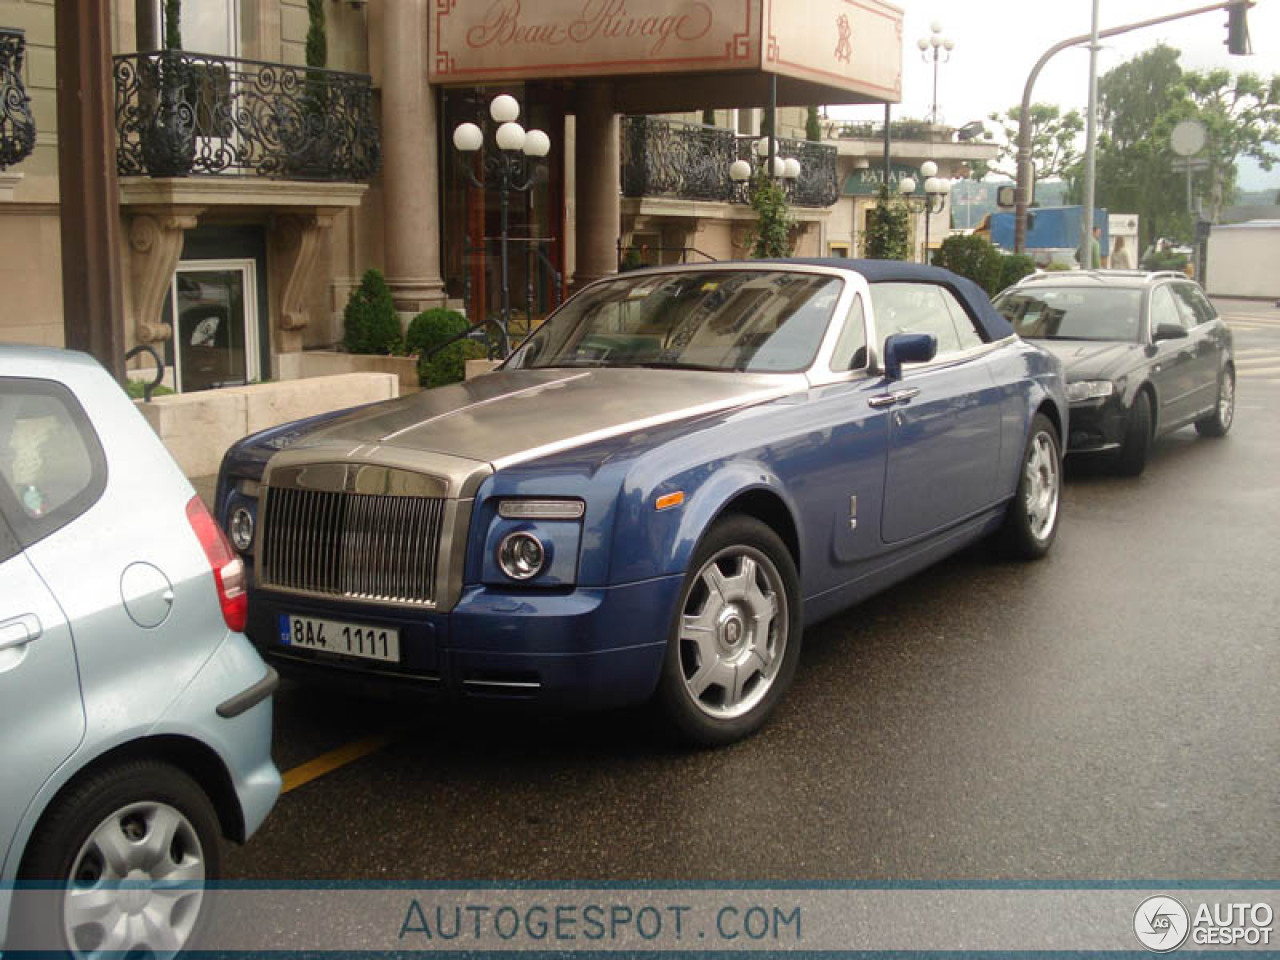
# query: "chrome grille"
[[359, 546]]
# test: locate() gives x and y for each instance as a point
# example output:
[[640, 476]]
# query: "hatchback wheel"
[[1219, 422], [733, 647], [131, 848]]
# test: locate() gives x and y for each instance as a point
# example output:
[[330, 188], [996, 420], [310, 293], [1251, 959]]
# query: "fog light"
[[521, 556], [241, 529]]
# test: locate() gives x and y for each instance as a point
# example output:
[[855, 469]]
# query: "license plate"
[[345, 639]]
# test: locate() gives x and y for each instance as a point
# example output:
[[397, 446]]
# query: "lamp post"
[[937, 48], [935, 195], [786, 169], [513, 170]]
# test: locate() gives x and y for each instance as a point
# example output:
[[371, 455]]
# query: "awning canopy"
[[675, 55]]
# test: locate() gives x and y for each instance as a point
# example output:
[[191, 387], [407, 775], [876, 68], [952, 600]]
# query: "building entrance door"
[[215, 324]]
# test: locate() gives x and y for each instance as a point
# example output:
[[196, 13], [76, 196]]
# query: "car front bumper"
[[1097, 425], [577, 648]]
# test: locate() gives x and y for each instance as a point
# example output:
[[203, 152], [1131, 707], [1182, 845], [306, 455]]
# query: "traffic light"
[[1238, 29]]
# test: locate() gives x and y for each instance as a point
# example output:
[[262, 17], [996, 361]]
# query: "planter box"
[[325, 363], [197, 428]]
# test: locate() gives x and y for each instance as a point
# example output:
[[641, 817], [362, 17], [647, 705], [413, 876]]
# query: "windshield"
[[765, 321], [1074, 313]]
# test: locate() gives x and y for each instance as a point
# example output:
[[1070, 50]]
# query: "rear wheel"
[[130, 849], [1132, 458], [733, 648], [1031, 522], [1219, 422]]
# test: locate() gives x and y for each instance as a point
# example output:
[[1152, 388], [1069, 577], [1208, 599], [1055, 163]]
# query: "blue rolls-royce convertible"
[[656, 493]]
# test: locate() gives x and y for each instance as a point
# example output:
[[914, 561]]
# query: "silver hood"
[[511, 416]]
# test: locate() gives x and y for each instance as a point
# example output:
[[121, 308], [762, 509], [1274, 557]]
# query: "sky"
[[997, 42]]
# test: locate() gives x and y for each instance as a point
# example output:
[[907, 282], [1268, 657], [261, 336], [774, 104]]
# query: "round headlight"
[[521, 556], [241, 529]]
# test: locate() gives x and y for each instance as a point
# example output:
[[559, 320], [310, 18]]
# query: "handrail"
[[149, 387]]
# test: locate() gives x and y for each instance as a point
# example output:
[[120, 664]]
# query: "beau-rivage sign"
[[854, 45]]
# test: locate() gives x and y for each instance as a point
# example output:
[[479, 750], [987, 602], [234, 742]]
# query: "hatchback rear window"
[[52, 467]]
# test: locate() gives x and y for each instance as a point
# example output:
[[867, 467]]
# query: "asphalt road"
[[1108, 713]]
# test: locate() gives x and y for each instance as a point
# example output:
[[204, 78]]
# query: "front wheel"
[[733, 648], [1219, 422], [1031, 522], [131, 849]]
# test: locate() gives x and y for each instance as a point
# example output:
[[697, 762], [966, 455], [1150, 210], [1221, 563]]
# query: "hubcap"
[[1042, 475], [733, 632], [137, 884], [1227, 399]]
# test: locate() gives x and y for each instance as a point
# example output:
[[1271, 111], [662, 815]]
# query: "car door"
[[41, 708], [945, 420], [1173, 367], [1205, 333]]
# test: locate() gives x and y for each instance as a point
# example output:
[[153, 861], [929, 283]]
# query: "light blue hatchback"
[[136, 718]]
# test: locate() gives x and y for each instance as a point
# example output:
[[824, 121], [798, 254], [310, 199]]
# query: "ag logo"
[[1161, 924]]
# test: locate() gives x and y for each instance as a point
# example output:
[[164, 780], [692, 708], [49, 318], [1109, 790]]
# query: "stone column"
[[598, 193], [411, 176]]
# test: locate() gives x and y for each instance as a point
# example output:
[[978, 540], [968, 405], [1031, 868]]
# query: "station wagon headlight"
[[521, 555], [1089, 390]]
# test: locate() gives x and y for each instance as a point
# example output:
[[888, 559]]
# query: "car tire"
[[1219, 422], [1031, 521], [735, 640], [111, 825], [1131, 459]]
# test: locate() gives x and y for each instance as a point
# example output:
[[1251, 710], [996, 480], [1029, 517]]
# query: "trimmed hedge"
[[427, 332], [370, 323]]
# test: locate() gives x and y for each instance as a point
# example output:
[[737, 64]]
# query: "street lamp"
[[786, 169], [935, 195], [937, 48], [512, 167]]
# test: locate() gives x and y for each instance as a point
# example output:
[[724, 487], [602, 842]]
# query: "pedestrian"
[[1120, 256], [1091, 260]]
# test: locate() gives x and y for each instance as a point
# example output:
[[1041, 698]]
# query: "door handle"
[[889, 399], [19, 631]]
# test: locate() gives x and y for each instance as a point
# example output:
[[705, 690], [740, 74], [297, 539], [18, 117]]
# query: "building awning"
[[674, 55]]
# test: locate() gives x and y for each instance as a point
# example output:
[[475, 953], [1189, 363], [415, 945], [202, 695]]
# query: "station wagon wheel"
[[1031, 522], [736, 635], [132, 849], [1219, 422]]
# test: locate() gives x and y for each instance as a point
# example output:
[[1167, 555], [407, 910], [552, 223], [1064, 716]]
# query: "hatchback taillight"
[[228, 569]]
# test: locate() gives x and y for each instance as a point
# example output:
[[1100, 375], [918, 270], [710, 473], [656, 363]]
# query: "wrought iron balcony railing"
[[17, 126], [689, 161], [180, 113]]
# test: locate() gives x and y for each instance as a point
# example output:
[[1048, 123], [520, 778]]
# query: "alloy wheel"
[[1043, 485]]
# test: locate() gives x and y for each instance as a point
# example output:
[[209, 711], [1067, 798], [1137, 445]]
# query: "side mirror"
[[900, 348], [1168, 331]]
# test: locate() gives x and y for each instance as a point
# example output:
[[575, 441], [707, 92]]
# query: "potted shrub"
[[370, 322], [168, 135]]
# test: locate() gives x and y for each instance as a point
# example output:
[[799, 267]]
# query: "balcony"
[[17, 127], [690, 161], [184, 114]]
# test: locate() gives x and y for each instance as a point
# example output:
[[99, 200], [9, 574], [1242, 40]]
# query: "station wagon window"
[[914, 308], [1074, 312], [851, 347], [1192, 302], [759, 321], [52, 467], [1164, 310]]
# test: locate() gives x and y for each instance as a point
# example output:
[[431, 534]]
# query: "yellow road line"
[[328, 762]]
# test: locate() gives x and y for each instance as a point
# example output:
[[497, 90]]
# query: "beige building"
[[255, 190]]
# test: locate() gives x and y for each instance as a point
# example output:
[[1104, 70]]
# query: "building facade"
[[258, 181]]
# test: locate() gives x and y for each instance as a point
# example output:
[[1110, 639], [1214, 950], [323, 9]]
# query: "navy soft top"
[[971, 296]]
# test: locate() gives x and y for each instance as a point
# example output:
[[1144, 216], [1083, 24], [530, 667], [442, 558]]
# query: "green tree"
[[317, 50], [1054, 137], [813, 125], [888, 228], [771, 236]]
